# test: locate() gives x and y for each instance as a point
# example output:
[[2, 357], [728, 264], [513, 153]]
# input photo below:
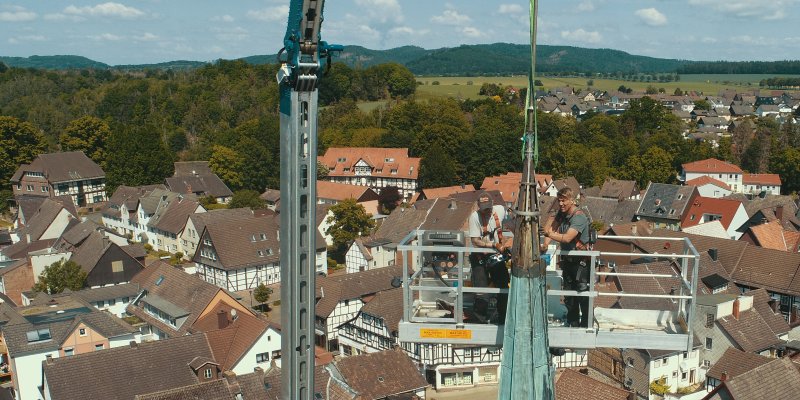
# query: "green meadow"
[[468, 87]]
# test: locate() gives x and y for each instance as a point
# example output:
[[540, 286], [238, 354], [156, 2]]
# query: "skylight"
[[159, 280]]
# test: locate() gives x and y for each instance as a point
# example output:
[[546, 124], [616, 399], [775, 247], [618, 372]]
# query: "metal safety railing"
[[439, 300]]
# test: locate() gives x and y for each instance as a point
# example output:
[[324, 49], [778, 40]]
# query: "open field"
[[468, 87]]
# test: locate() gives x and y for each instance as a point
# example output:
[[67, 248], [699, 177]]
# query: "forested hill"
[[467, 60], [485, 59]]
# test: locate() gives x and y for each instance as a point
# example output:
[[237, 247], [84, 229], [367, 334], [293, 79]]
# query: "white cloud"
[[761, 9], [382, 11], [106, 37], [146, 37], [451, 17], [408, 31], [651, 16], [470, 31], [105, 10], [586, 6], [510, 9], [63, 17], [224, 18], [580, 35], [234, 34], [269, 14], [17, 14], [26, 38], [709, 40]]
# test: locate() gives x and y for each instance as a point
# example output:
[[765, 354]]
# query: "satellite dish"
[[234, 314]]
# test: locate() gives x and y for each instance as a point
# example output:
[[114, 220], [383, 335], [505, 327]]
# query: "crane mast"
[[298, 77]]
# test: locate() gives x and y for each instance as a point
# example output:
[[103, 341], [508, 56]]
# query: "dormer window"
[[394, 171], [207, 373], [263, 236], [342, 159], [388, 159]]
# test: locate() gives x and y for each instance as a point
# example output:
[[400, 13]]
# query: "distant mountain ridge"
[[464, 60]]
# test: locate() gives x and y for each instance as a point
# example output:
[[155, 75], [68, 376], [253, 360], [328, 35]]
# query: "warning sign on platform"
[[425, 333]]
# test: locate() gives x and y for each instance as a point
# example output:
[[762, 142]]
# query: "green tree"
[[655, 165], [349, 221], [227, 164], [437, 168], [20, 143], [678, 92], [702, 104], [247, 198], [59, 276], [5, 196], [137, 156], [322, 170], [786, 163], [401, 82], [87, 134], [389, 199], [262, 293]]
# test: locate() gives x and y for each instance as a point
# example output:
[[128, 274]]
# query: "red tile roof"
[[771, 236], [712, 165], [433, 193], [508, 184], [573, 385], [382, 161], [704, 180], [761, 179], [736, 362], [343, 191], [708, 205]]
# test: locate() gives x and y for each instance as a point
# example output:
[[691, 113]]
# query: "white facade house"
[[723, 171], [265, 350], [29, 345], [374, 329], [757, 183], [374, 167], [710, 187], [365, 254], [676, 370], [243, 253]]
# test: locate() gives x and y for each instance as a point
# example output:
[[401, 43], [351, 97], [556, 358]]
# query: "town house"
[[242, 253], [170, 301], [55, 327], [723, 171], [58, 174], [341, 297], [374, 167]]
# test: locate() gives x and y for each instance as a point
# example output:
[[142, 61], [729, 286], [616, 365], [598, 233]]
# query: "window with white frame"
[[207, 373], [262, 357]]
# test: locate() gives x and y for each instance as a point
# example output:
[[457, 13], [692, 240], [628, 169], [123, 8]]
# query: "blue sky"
[[147, 31]]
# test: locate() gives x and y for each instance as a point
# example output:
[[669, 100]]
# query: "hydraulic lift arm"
[[298, 77]]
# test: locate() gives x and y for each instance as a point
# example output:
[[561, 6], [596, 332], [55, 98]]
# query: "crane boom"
[[298, 78]]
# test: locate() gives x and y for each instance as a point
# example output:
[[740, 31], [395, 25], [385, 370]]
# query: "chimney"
[[134, 345], [452, 205], [779, 212], [724, 376], [230, 376], [222, 319], [735, 309], [49, 359], [714, 254], [633, 230]]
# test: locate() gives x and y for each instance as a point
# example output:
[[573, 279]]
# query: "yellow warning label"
[[445, 333]]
